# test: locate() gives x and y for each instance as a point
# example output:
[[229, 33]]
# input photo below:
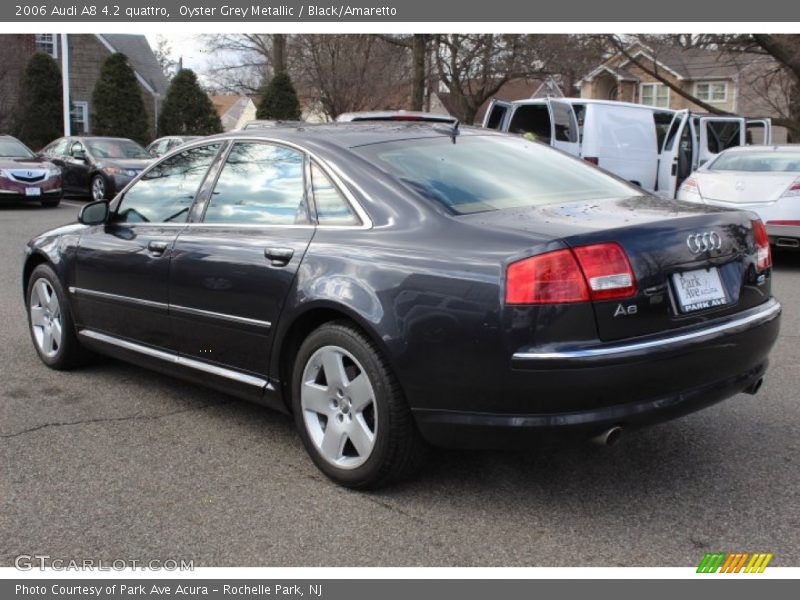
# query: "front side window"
[[332, 208], [259, 184], [166, 192], [483, 173], [654, 94]]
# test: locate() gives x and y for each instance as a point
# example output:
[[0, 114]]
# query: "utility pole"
[[65, 84]]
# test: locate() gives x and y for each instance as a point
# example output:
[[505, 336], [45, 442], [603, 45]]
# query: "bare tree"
[[474, 67], [163, 54], [243, 62], [418, 44], [345, 73]]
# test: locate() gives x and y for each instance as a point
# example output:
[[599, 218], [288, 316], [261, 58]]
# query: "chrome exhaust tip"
[[787, 243], [753, 388], [609, 437]]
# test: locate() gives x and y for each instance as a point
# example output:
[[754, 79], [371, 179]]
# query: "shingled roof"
[[141, 58]]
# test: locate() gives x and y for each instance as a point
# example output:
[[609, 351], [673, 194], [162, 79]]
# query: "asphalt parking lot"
[[116, 462]]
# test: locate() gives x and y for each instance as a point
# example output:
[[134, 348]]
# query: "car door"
[[564, 126], [496, 115], [233, 268], [120, 283], [675, 161], [717, 134], [759, 131]]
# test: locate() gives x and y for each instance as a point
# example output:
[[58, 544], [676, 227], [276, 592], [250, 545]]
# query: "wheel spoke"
[[37, 316], [360, 392], [41, 293], [47, 339], [334, 369], [360, 436], [333, 441], [56, 329], [52, 303], [315, 398]]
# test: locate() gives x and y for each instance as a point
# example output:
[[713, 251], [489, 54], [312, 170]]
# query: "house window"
[[654, 94], [46, 42], [79, 117], [711, 91]]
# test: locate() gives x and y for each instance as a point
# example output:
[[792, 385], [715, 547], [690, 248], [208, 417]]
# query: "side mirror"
[[79, 155], [94, 213]]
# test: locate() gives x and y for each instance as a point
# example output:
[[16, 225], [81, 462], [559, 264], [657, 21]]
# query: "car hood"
[[24, 163], [743, 187], [125, 163]]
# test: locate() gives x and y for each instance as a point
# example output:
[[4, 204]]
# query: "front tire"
[[350, 411], [99, 189], [50, 321]]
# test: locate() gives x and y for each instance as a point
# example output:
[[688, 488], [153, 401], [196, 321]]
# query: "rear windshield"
[[767, 162], [116, 149], [482, 173], [10, 148]]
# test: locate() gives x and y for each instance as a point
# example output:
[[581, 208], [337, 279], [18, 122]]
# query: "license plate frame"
[[698, 290]]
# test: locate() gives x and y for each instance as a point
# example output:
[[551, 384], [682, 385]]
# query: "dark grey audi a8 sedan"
[[400, 285]]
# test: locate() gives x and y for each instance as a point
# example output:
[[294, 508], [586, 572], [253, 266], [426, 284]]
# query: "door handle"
[[157, 248], [279, 257]]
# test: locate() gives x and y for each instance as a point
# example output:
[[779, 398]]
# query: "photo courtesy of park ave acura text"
[[393, 299]]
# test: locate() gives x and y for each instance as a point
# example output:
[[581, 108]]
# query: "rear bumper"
[[778, 233], [580, 392]]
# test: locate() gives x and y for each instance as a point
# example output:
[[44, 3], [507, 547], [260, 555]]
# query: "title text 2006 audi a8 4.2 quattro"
[[399, 285]]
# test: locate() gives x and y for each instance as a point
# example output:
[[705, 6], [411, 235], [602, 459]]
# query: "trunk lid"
[[662, 239], [736, 187]]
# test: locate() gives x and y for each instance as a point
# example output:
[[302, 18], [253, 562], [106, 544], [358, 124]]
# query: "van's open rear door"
[[497, 114], [718, 134], [563, 126], [759, 131], [676, 157]]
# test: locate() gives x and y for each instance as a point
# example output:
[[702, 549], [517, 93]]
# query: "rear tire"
[[50, 322], [350, 410]]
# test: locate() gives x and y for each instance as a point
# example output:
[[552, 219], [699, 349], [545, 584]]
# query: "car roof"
[[764, 148], [593, 101], [353, 134], [399, 115]]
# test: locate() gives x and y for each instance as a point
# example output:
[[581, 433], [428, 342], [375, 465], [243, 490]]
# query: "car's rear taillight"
[[552, 278], [596, 272], [689, 185], [763, 252], [793, 191], [607, 270], [592, 159]]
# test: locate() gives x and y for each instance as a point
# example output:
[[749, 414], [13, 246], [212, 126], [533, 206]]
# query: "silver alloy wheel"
[[46, 318], [98, 188], [339, 408]]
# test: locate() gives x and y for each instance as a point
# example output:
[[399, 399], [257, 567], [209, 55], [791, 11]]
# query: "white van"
[[633, 141]]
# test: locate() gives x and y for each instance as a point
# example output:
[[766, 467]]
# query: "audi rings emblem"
[[704, 242]]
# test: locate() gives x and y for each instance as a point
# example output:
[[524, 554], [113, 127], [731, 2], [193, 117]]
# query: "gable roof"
[[141, 58]]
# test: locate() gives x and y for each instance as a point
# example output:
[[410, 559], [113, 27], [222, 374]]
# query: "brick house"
[[740, 83], [86, 55], [234, 111]]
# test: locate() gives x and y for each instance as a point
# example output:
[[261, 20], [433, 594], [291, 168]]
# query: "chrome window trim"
[[176, 359], [76, 291], [766, 313], [336, 175]]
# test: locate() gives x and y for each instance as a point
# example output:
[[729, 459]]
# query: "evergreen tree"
[[279, 99], [187, 109], [39, 115], [117, 101]]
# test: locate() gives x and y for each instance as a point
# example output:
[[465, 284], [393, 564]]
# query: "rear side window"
[[332, 207], [564, 121], [533, 119], [259, 184], [492, 172], [496, 116], [166, 192], [722, 135]]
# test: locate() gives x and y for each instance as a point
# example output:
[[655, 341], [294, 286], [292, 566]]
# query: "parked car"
[[764, 179], [97, 166], [396, 285], [25, 176], [396, 115], [654, 148], [163, 145]]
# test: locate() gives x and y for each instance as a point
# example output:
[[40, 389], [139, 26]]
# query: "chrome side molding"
[[176, 359]]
